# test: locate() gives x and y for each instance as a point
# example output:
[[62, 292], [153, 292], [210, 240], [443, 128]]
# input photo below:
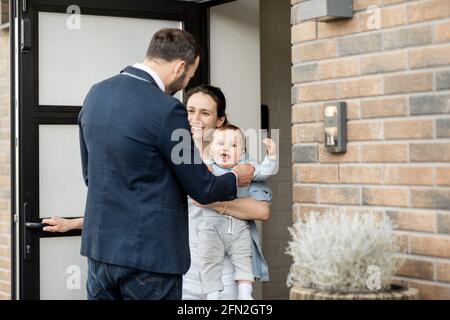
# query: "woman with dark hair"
[[206, 106]]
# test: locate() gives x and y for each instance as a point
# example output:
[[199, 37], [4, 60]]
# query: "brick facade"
[[5, 250], [396, 81]]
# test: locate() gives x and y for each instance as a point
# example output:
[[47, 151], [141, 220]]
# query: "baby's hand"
[[271, 148]]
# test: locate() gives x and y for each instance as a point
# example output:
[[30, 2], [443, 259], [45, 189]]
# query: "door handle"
[[27, 215], [29, 228], [35, 225], [26, 233]]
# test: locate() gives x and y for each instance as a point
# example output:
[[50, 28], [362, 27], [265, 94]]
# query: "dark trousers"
[[111, 282]]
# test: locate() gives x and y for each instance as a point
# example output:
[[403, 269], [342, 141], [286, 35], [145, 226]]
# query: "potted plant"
[[344, 257]]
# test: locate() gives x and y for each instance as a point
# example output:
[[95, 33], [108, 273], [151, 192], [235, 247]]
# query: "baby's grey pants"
[[219, 235]]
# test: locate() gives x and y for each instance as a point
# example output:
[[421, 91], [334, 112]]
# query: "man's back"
[[136, 210]]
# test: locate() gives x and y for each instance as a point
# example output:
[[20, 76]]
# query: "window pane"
[[62, 269], [72, 60], [62, 191]]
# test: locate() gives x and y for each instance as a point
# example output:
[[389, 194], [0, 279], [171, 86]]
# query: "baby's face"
[[227, 148]]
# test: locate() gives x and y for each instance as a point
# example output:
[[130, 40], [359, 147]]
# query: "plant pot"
[[396, 293]]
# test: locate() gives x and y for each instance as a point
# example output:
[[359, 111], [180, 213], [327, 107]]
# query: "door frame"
[[13, 87], [27, 115]]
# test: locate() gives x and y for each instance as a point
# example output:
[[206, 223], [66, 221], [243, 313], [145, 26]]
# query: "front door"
[[62, 49]]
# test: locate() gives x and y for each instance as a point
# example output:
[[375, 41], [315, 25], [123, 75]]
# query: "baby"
[[220, 234]]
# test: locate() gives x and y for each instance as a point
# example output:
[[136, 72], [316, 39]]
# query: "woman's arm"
[[57, 224], [243, 208]]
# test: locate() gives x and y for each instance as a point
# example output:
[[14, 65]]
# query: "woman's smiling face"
[[202, 116]]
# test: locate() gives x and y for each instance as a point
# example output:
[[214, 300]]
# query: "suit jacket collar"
[[140, 73]]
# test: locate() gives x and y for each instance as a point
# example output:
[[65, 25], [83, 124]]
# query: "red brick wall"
[[5, 262], [396, 81]]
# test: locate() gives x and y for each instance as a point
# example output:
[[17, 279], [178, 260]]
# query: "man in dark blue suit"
[[135, 231]]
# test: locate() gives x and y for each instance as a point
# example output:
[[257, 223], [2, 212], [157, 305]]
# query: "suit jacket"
[[136, 209]]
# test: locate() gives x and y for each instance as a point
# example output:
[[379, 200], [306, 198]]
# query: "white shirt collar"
[[152, 73]]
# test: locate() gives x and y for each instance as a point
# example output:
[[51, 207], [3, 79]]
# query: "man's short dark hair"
[[171, 44]]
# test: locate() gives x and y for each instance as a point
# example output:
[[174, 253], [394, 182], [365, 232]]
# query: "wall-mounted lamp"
[[325, 10], [335, 126]]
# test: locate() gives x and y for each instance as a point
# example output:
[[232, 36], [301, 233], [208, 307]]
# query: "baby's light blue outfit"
[[222, 234]]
